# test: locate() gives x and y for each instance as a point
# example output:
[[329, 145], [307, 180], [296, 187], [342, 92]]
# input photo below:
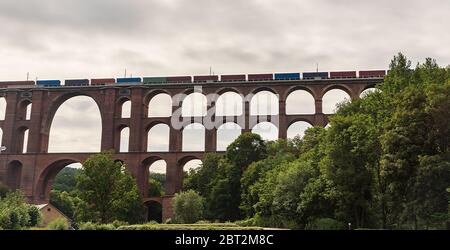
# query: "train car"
[[48, 83], [315, 75], [129, 80], [12, 84], [260, 77], [214, 78], [287, 76], [179, 79], [232, 78], [372, 73], [76, 82], [102, 81], [154, 80], [343, 74]]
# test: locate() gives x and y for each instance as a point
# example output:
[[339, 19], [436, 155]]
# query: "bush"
[[35, 216], [14, 212], [325, 224], [4, 190], [58, 224], [187, 207], [94, 226]]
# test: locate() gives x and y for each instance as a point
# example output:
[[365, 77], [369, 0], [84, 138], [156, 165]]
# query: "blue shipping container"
[[287, 76], [48, 83], [129, 80], [312, 75]]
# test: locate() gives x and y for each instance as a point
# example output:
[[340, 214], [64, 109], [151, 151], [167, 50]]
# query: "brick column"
[[9, 132], [282, 125], [34, 136], [108, 127], [136, 121]]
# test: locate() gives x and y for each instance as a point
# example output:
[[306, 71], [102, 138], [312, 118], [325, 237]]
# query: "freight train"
[[199, 79]]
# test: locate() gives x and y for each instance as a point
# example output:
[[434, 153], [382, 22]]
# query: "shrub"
[[187, 207], [325, 224], [58, 224], [14, 212], [94, 226], [35, 216]]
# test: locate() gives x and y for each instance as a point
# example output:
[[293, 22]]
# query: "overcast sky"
[[58, 39]]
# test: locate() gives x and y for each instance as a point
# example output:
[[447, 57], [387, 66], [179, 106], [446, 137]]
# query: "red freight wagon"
[[16, 83], [343, 74], [206, 78], [103, 81], [231, 78], [184, 79], [260, 77], [372, 73]]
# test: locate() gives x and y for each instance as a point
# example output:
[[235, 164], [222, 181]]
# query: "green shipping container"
[[154, 80]]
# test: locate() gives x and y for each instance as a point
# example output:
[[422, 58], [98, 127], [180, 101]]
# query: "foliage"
[[58, 224], [101, 227], [108, 192], [156, 185], [35, 216], [208, 226], [187, 207], [65, 180], [326, 224], [4, 190], [15, 213]]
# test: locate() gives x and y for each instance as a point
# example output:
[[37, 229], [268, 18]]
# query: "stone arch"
[[125, 108], [193, 137], [229, 103], [300, 101], [47, 177], [22, 140], [158, 138], [225, 138], [55, 104], [264, 105], [154, 210], [191, 107], [300, 87], [3, 105], [332, 97], [159, 104], [367, 90], [298, 128], [67, 130], [24, 109], [267, 130], [14, 175], [342, 87], [124, 139]]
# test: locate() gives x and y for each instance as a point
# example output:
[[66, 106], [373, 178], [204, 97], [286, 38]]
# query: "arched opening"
[[62, 185], [24, 110], [226, 134], [1, 137], [126, 109], [194, 137], [28, 112], [194, 104], [191, 166], [76, 127], [158, 138], [264, 103], [25, 141], [160, 106], [124, 140], [2, 108], [14, 175], [229, 104], [332, 98], [22, 140], [267, 130], [157, 178], [298, 129], [300, 102], [47, 178], [154, 211], [368, 91]]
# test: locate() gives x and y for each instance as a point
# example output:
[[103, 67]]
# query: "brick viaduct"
[[33, 172]]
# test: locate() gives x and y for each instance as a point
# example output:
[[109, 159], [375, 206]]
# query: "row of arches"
[[158, 137]]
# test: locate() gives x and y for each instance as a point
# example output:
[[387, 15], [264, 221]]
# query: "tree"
[[108, 191], [247, 148], [187, 207], [4, 190], [14, 212]]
